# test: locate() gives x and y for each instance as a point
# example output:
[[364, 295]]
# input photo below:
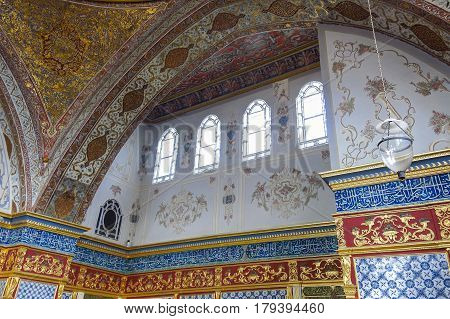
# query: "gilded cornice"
[[44, 218], [395, 248], [377, 173], [40, 226], [244, 238]]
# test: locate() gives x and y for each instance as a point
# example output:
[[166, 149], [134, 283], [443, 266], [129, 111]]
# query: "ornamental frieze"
[[44, 264], [391, 228], [150, 283], [255, 274], [326, 269], [443, 216]]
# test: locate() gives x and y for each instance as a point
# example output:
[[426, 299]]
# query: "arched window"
[[109, 220], [311, 125], [208, 145], [256, 139], [166, 157]]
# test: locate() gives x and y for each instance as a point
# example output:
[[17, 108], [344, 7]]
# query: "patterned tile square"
[[407, 276], [66, 295], [256, 294], [2, 286], [35, 290], [198, 296]]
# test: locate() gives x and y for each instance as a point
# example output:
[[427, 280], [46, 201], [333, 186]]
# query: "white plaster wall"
[[121, 183], [419, 93], [246, 215]]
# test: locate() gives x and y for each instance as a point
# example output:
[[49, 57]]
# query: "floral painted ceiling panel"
[[246, 52], [64, 45]]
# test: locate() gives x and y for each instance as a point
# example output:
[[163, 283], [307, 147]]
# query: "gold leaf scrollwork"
[[323, 269], [255, 274], [44, 264], [346, 270], [340, 232], [198, 279], [102, 281], [390, 229], [293, 272], [150, 282], [3, 253], [81, 276], [10, 288], [443, 214], [218, 280]]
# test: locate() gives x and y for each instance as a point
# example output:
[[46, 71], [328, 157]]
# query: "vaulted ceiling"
[[78, 76]]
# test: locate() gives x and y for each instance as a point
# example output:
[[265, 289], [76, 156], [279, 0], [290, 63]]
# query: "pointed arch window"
[[256, 141], [166, 156], [208, 145], [311, 121], [109, 220]]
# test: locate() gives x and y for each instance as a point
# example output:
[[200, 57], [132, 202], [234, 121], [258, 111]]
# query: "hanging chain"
[[380, 68]]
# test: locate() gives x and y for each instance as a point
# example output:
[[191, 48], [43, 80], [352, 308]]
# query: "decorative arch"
[[176, 53]]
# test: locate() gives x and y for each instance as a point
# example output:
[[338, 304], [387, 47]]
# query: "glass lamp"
[[396, 146]]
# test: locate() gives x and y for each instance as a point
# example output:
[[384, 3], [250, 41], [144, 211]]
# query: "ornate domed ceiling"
[[77, 77]]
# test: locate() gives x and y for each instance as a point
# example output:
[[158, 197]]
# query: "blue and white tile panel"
[[66, 295], [35, 290], [406, 276], [256, 294]]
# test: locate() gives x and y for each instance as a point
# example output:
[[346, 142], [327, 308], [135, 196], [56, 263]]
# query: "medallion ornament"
[[133, 100], [182, 210], [429, 37], [176, 57], [392, 229], [352, 11], [283, 8], [224, 21], [443, 214], [287, 191], [327, 269], [255, 274]]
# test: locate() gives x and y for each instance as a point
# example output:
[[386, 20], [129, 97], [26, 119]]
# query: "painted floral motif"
[[430, 84], [228, 200], [231, 138], [115, 190], [287, 191], [182, 210], [282, 96], [440, 123], [352, 55], [187, 148]]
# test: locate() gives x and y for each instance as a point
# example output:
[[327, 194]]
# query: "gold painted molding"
[[41, 226], [408, 247], [44, 217], [191, 244], [365, 167]]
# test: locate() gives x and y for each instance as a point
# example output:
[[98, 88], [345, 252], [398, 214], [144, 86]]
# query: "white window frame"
[[216, 144], [156, 177], [267, 129], [301, 120]]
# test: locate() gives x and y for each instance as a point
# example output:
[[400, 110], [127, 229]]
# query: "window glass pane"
[[314, 128], [256, 142], [164, 166], [256, 121], [208, 136], [206, 156], [167, 147], [312, 105]]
